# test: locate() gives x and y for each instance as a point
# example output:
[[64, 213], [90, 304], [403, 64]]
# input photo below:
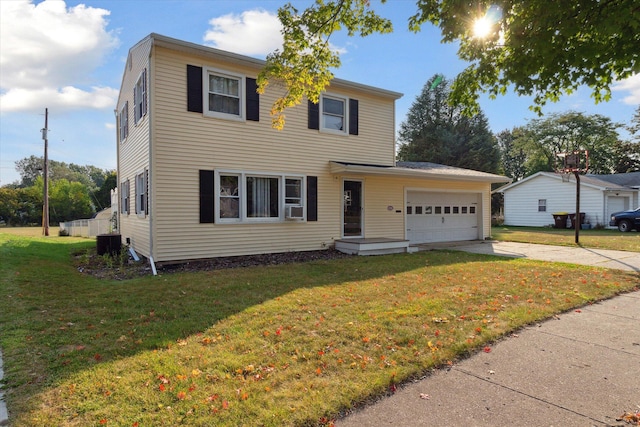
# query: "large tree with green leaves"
[[30, 168], [574, 131], [533, 47], [513, 153], [634, 127], [438, 132]]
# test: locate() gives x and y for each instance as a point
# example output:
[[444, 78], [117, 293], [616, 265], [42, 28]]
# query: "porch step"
[[372, 246]]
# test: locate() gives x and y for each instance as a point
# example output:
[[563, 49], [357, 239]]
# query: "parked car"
[[627, 220]]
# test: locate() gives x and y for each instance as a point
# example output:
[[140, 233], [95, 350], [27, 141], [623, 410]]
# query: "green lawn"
[[597, 239], [281, 345]]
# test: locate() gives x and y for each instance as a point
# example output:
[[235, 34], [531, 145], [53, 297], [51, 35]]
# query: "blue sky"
[[68, 56]]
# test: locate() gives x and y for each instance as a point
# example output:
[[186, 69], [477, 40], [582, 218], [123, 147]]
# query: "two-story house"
[[203, 174]]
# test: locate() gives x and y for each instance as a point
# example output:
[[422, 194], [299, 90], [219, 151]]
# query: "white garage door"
[[442, 217], [616, 204]]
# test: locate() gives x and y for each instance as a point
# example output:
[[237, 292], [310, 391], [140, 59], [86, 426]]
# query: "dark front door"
[[352, 209]]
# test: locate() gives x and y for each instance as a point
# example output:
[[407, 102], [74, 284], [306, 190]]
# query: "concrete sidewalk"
[[580, 369]]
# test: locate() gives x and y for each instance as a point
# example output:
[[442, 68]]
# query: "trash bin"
[[572, 219], [560, 219]]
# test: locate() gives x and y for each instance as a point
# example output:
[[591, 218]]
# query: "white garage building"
[[533, 200]]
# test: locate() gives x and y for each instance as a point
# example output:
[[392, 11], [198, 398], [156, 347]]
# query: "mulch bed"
[[124, 267]]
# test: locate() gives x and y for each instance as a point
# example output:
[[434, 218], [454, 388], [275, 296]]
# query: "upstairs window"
[[140, 97], [224, 95], [333, 114], [123, 122]]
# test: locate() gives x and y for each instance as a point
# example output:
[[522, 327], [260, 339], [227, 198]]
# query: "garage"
[[442, 217]]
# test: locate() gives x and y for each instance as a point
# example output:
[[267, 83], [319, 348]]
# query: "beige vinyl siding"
[[186, 142], [134, 150], [380, 192], [182, 143]]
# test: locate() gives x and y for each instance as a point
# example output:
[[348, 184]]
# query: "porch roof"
[[424, 170]]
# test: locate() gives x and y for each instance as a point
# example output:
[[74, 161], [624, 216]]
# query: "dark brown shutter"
[[252, 100], [313, 115], [144, 92], [312, 198], [353, 117], [194, 88], [206, 197]]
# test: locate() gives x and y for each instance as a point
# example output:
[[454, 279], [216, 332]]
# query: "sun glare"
[[482, 27]]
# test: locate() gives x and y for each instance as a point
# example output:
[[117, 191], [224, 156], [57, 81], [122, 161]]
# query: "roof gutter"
[[446, 175]]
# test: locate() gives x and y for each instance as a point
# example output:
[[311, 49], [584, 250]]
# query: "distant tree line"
[[75, 192], [438, 132], [435, 131]]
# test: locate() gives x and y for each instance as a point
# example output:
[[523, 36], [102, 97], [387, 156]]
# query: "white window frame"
[[140, 97], [125, 202], [242, 195], [345, 117], [542, 205], [241, 94], [123, 122], [218, 196], [300, 199], [141, 194]]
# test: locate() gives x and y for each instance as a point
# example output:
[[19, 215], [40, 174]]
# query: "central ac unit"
[[294, 212]]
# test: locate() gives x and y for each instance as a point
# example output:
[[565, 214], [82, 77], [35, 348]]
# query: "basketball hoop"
[[573, 162]]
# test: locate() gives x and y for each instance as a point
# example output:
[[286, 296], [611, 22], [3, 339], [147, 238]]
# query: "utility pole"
[[45, 206]]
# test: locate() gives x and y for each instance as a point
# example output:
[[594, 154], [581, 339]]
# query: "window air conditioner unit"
[[294, 212]]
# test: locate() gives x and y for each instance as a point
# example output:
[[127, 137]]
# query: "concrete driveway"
[[621, 260]]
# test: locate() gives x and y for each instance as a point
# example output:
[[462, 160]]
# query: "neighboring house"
[[203, 174], [533, 200]]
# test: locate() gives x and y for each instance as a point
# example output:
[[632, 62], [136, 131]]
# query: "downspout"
[[115, 113], [150, 179]]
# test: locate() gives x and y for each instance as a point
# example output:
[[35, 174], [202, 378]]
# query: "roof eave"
[[346, 168], [258, 64]]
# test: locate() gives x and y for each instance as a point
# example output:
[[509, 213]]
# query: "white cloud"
[[632, 85], [49, 52], [63, 99], [254, 32]]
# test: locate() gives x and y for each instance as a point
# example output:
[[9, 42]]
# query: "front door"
[[352, 209]]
